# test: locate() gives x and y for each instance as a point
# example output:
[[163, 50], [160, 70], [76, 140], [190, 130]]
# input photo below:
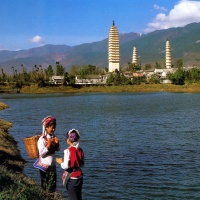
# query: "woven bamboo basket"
[[31, 146]]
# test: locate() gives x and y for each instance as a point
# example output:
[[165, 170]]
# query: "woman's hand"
[[59, 160], [56, 140], [49, 141], [52, 141]]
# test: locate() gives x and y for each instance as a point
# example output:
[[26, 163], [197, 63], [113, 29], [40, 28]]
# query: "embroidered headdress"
[[46, 121], [73, 135]]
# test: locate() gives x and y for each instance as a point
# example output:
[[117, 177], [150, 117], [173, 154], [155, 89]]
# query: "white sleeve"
[[65, 164], [41, 147]]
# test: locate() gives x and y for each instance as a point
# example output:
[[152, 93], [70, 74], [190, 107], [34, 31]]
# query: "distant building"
[[168, 55], [135, 56], [137, 74], [58, 80], [113, 49], [91, 80]]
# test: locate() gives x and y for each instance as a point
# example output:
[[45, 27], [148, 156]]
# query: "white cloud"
[[183, 13], [37, 39], [157, 7]]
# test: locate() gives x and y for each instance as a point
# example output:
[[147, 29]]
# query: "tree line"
[[39, 75]]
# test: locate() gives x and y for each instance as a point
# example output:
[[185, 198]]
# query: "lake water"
[[137, 145]]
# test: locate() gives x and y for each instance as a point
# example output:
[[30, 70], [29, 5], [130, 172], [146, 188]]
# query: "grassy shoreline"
[[188, 88], [34, 89]]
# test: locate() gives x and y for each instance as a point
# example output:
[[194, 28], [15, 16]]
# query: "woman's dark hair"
[[51, 123]]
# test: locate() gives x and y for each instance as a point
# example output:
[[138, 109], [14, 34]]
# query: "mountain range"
[[184, 41]]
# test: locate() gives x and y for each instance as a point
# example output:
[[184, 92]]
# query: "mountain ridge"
[[185, 44]]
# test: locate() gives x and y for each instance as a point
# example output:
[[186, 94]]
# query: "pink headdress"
[[46, 121]]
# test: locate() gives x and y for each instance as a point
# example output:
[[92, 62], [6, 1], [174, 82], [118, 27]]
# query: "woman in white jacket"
[[47, 145]]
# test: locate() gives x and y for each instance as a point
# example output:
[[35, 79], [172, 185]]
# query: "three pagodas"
[[114, 51]]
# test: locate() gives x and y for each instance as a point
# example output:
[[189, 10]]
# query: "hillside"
[[185, 44]]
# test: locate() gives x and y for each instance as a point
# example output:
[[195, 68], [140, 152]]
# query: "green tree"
[[83, 72], [3, 75], [66, 79], [147, 66], [134, 67], [50, 72], [71, 79], [154, 79], [106, 70], [74, 70], [92, 69], [179, 63], [193, 75], [110, 79], [14, 77], [125, 80], [178, 77], [25, 77], [117, 79], [157, 65], [37, 75], [60, 70]]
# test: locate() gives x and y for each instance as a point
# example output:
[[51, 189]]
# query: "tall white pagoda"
[[113, 49], [135, 56], [168, 60]]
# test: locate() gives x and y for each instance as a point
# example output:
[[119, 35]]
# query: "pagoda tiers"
[[135, 57], [113, 49], [168, 55]]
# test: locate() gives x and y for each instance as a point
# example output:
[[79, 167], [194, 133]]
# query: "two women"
[[72, 162]]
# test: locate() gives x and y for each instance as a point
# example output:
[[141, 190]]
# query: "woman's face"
[[50, 129], [69, 142]]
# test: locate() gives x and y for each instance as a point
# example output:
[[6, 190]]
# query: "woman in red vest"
[[72, 163]]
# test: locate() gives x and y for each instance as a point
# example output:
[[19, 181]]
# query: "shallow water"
[[137, 145]]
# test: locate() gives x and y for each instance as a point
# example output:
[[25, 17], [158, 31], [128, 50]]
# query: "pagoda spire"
[[113, 22]]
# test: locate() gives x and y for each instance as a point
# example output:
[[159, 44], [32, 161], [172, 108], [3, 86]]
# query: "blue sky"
[[27, 24]]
